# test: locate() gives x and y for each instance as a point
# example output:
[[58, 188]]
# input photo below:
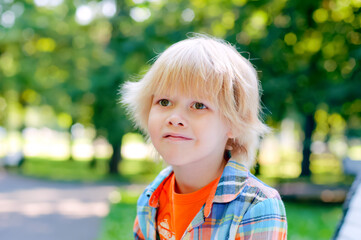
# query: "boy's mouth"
[[176, 136]]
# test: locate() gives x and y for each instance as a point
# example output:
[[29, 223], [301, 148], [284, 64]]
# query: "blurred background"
[[62, 63]]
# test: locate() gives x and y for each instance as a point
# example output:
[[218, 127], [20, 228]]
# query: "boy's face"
[[185, 130]]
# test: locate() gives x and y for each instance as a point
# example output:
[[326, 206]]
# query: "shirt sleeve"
[[138, 235], [264, 221]]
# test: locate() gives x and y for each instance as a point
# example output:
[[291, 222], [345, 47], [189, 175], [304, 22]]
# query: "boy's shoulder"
[[237, 182]]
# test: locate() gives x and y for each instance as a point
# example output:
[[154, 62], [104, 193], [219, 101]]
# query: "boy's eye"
[[164, 102], [198, 105]]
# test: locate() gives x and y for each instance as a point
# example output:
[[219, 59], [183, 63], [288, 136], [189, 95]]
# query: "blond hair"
[[210, 69]]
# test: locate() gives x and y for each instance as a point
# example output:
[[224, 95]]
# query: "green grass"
[[120, 219], [67, 170], [308, 221], [71, 170], [119, 222]]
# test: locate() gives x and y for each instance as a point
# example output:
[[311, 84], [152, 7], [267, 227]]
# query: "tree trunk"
[[22, 156], [309, 127], [116, 158]]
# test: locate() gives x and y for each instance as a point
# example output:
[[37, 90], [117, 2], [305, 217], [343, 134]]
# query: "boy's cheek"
[[152, 115]]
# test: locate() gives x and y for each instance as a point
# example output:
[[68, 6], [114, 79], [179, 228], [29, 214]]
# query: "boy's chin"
[[174, 161], [178, 161]]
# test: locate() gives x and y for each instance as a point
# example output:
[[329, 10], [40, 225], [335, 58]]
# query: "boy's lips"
[[175, 136]]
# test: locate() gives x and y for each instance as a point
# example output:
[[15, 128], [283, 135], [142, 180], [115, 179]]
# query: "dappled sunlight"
[[48, 3], [135, 148], [135, 151], [44, 201], [325, 163], [13, 142], [82, 150], [140, 14], [269, 151], [280, 152], [68, 207], [3, 143], [32, 209], [55, 145], [77, 209], [355, 151], [46, 143], [36, 195], [115, 197], [86, 13], [102, 148]]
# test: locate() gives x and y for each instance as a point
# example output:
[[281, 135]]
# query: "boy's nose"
[[175, 120]]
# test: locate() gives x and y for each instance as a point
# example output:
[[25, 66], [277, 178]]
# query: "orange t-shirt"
[[176, 211]]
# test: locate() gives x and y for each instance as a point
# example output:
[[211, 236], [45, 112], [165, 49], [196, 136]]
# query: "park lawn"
[[97, 170], [119, 222], [306, 221]]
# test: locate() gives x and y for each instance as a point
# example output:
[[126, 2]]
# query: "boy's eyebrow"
[[200, 98]]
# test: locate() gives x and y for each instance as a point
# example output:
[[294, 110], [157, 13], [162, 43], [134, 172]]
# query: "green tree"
[[47, 60], [309, 54]]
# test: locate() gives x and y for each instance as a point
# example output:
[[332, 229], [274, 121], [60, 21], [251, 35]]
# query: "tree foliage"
[[307, 54]]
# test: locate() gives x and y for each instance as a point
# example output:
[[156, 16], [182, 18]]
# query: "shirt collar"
[[154, 189], [230, 185]]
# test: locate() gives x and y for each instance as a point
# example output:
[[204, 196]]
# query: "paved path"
[[350, 225], [33, 209]]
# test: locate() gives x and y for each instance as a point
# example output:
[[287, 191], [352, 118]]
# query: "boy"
[[199, 104]]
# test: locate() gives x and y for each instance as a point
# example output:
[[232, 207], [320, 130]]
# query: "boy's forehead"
[[195, 94]]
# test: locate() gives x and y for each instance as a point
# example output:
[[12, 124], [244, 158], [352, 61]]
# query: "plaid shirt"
[[241, 207]]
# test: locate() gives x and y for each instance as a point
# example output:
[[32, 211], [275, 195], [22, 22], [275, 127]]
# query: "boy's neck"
[[195, 176]]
